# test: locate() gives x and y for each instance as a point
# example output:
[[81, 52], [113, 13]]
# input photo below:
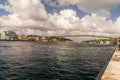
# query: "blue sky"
[[2, 1], [115, 13], [51, 9], [3, 12], [61, 17]]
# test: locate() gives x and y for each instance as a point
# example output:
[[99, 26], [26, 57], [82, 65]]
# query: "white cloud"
[[67, 2], [26, 10], [66, 19], [99, 7], [30, 17]]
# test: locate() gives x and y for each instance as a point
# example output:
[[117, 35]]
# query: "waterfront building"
[[22, 37], [8, 35], [113, 40], [107, 42], [44, 39], [33, 37], [29, 37]]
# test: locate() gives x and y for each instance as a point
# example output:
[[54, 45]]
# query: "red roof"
[[7, 31]]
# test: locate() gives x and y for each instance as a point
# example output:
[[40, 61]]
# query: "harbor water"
[[52, 61]]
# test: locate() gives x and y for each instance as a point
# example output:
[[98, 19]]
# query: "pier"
[[112, 71]]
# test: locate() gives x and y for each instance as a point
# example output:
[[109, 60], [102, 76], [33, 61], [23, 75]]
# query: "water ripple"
[[52, 61]]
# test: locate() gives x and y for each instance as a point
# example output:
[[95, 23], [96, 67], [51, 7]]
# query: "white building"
[[8, 35]]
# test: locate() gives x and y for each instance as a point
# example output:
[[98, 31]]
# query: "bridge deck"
[[112, 71]]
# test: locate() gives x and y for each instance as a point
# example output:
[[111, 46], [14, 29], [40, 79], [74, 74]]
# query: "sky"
[[61, 17]]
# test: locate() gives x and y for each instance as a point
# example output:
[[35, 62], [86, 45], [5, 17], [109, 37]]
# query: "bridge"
[[113, 40], [81, 35]]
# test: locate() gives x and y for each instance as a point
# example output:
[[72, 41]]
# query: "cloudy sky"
[[61, 17]]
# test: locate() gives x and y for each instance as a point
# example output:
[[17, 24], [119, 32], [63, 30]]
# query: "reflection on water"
[[51, 61]]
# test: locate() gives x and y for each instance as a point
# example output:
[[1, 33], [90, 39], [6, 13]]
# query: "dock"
[[112, 70]]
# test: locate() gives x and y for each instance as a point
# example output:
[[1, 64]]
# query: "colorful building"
[[8, 35]]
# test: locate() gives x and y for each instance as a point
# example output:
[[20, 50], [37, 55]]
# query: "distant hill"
[[43, 38], [97, 41]]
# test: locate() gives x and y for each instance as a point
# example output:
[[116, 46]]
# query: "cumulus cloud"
[[23, 12], [66, 19], [67, 2], [30, 17], [99, 7]]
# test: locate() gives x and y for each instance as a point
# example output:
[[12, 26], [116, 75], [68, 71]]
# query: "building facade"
[[8, 35]]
